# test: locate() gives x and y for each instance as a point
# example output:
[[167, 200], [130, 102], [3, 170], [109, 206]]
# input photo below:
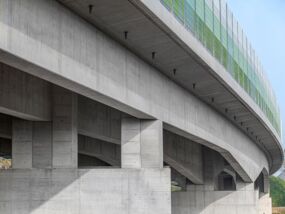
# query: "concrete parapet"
[[197, 200], [85, 191]]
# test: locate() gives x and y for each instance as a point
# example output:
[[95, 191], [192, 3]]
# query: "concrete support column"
[[142, 143], [42, 145], [64, 127], [22, 141]]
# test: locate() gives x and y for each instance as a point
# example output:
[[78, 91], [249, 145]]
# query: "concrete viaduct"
[[115, 107]]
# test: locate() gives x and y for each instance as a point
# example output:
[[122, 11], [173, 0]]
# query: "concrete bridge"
[[107, 104]]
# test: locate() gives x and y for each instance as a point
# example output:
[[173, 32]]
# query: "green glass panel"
[[224, 36], [209, 18], [208, 35], [200, 8], [190, 15], [178, 9], [199, 28], [167, 4], [217, 48], [217, 28]]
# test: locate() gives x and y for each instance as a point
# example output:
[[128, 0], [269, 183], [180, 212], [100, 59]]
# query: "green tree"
[[277, 191]]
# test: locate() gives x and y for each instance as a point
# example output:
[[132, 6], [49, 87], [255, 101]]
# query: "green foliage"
[[175, 187], [277, 191]]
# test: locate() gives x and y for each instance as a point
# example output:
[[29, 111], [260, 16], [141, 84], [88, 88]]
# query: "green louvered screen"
[[214, 25]]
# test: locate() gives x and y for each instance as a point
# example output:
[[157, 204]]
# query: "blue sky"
[[263, 21]]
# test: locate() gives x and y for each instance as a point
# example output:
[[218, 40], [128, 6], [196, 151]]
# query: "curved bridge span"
[[109, 105]]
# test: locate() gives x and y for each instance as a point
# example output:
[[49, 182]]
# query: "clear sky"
[[263, 21]]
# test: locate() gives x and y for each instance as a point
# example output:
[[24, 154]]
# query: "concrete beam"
[[184, 156], [99, 121], [24, 96], [107, 152]]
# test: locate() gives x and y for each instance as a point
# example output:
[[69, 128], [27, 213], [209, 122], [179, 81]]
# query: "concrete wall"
[[198, 199], [23, 95], [265, 205], [76, 55], [85, 191]]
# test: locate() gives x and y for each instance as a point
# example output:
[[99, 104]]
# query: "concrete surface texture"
[[45, 177], [99, 121], [210, 198], [199, 199], [107, 152], [23, 95], [142, 143], [184, 156], [85, 191], [95, 128], [64, 133]]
